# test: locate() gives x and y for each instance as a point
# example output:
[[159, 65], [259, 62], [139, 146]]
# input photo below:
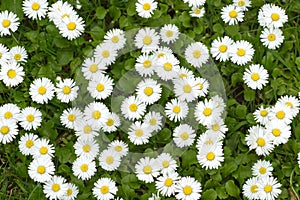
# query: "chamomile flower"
[[145, 8], [184, 135], [105, 53], [167, 163], [146, 169], [183, 73], [4, 54], [105, 189], [70, 117], [116, 38], [169, 33], [186, 89], [208, 139], [250, 188], [101, 87], [71, 27], [162, 51], [30, 118], [96, 113], [86, 148], [271, 38], [120, 147], [262, 168], [8, 131], [9, 111], [206, 111], [243, 4], [262, 115], [18, 54], [139, 133], [92, 68], [278, 131], [9, 21], [12, 74], [268, 188], [148, 91], [41, 90], [188, 188], [197, 12], [60, 9], [203, 86], [241, 52], [210, 157], [219, 101], [282, 113], [112, 123], [145, 65], [219, 48], [55, 188], [232, 14], [27, 143], [292, 102], [166, 184], [84, 168], [154, 120], [109, 160], [66, 90], [176, 110], [147, 39], [41, 169], [72, 192], [196, 54], [133, 108], [196, 3], [86, 130], [167, 67], [35, 9], [271, 15], [256, 76], [42, 149], [217, 126]]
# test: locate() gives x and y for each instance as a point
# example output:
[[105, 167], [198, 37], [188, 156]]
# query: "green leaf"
[[164, 135], [189, 158], [249, 95], [241, 111], [232, 189], [209, 194], [229, 167], [218, 28], [100, 12], [114, 12], [221, 193], [64, 56]]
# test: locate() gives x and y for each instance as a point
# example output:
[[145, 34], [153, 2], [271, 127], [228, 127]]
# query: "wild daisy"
[[146, 169], [27, 143], [176, 110], [282, 113], [30, 118], [101, 87], [262, 115], [139, 133], [112, 123], [9, 21], [66, 90], [70, 117], [217, 126], [96, 113], [206, 111], [166, 184], [92, 68], [188, 188], [87, 148], [8, 131], [196, 54], [41, 90], [71, 27], [9, 111], [72, 192], [133, 108], [154, 120], [84, 168], [187, 89], [18, 54], [210, 157], [292, 102], [109, 160], [145, 8], [120, 147], [203, 86], [145, 65], [219, 48], [148, 91], [55, 188], [105, 189], [269, 188], [271, 15], [243, 4], [278, 131], [35, 9], [183, 73], [116, 38], [162, 51], [241, 52], [12, 74], [169, 33], [167, 163], [262, 168], [208, 139], [256, 76], [232, 14], [197, 12], [184, 135], [167, 67], [86, 130], [147, 39], [196, 3], [250, 188], [58, 10], [271, 38], [4, 54], [41, 169], [42, 149], [105, 53]]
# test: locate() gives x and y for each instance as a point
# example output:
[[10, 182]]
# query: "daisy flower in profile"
[[176, 110], [232, 14], [197, 12], [219, 101], [84, 168], [96, 113], [154, 120], [256, 76], [55, 188], [106, 53], [196, 54], [188, 188], [9, 21], [120, 147], [217, 126], [278, 131], [241, 52], [250, 188], [282, 113], [12, 74], [271, 38], [87, 148], [18, 54], [112, 123], [35, 9], [109, 160], [30, 118], [262, 115], [210, 157], [41, 90], [292, 102], [203, 86], [219, 48], [27, 143], [268, 188], [145, 8], [146, 169], [71, 27], [139, 133], [133, 108], [5, 56], [86, 130], [105, 189], [72, 192], [262, 168], [42, 149], [208, 139], [145, 65], [186, 89], [116, 38], [162, 51], [66, 90], [148, 91], [167, 67], [169, 33], [243, 4], [60, 9], [271, 15], [147, 39], [206, 111], [166, 184], [195, 3], [92, 68], [9, 111], [41, 169], [184, 135], [183, 73], [8, 131], [167, 163], [70, 117], [101, 87]]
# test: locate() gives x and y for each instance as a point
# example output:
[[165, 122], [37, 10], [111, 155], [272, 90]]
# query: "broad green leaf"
[[232, 189]]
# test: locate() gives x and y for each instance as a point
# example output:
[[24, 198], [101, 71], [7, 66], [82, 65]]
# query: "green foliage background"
[[51, 56]]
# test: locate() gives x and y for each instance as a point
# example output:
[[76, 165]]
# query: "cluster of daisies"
[[234, 13], [262, 185]]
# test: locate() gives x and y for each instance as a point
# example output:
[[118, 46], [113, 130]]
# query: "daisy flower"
[[250, 188], [87, 148], [145, 8], [120, 147], [262, 168], [9, 21], [42, 149], [112, 123], [139, 133], [41, 169], [169, 33], [58, 10], [232, 14], [219, 101], [166, 184], [187, 89], [268, 188], [30, 118], [105, 53], [167, 67], [92, 68], [71, 27], [18, 54], [154, 120], [271, 38], [282, 113], [241, 52], [278, 131], [148, 91], [262, 115], [96, 113], [184, 135], [206, 111], [183, 73], [132, 108], [86, 130], [70, 117], [55, 188], [208, 139], [12, 74], [167, 163], [292, 102], [109, 160], [146, 169], [147, 39], [210, 157], [72, 192], [162, 51], [196, 54], [271, 15], [35, 9], [101, 87], [155, 196], [188, 188], [9, 111], [203, 86], [195, 3], [27, 143], [105, 189], [217, 126], [243, 4], [219, 48], [256, 76], [145, 65], [116, 38], [8, 131], [41, 90], [66, 90], [176, 110], [5, 56], [197, 12], [84, 168]]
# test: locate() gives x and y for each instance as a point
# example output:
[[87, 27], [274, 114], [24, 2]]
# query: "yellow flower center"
[[110, 122], [42, 90], [262, 170], [147, 63], [100, 87], [263, 113], [169, 33], [41, 169], [30, 118], [261, 142], [223, 48], [233, 14], [139, 132], [118, 148], [71, 117], [84, 167], [176, 109], [268, 188], [168, 182], [209, 142], [96, 114], [35, 6], [146, 6], [29, 143], [147, 40], [187, 88], [241, 3], [289, 104], [160, 55], [6, 23], [182, 76], [86, 148], [210, 156], [148, 91], [133, 107], [43, 150], [104, 189], [71, 26], [276, 132], [168, 66], [255, 76], [196, 54], [4, 130], [197, 11], [271, 37], [17, 56], [8, 115], [184, 136], [87, 129], [147, 169], [66, 90], [165, 164], [0, 55], [105, 54], [11, 73], [215, 127], [65, 15], [200, 85], [253, 188], [207, 112], [115, 39], [187, 190], [93, 68], [109, 160], [280, 114], [55, 187], [152, 122], [69, 192], [275, 16], [241, 52]]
